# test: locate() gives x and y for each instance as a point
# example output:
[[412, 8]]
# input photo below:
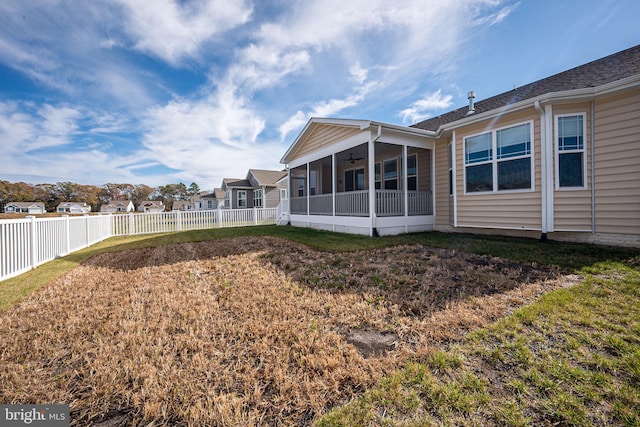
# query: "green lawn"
[[571, 358]]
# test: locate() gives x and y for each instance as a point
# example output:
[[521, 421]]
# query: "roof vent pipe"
[[472, 109]]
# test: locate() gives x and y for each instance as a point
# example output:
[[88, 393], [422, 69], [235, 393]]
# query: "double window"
[[242, 199], [570, 161], [257, 198], [499, 160], [387, 174], [354, 179]]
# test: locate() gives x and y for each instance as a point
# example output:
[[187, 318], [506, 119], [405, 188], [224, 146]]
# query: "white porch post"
[[307, 188], [334, 183], [372, 184], [405, 181]]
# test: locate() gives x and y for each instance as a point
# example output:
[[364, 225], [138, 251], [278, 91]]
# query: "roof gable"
[[266, 178]]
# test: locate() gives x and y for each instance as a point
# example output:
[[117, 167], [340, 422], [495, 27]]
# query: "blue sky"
[[140, 92]]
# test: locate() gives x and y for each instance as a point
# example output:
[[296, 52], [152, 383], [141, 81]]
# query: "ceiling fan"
[[352, 159]]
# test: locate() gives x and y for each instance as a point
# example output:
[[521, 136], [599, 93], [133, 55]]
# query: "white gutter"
[[543, 169], [593, 171]]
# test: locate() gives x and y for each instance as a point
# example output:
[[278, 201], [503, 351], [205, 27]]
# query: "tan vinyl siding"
[[617, 166], [443, 207], [572, 208], [271, 197], [513, 210], [323, 136]]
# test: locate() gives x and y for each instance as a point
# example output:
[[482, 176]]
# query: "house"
[[151, 206], [238, 193], [118, 206], [269, 187], [558, 158], [212, 200], [260, 189], [25, 207], [73, 208]]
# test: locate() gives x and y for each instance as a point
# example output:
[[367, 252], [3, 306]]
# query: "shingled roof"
[[593, 74], [267, 178]]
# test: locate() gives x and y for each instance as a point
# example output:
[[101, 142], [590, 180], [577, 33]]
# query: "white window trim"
[[556, 150], [494, 161], [344, 175], [258, 198], [398, 172], [412, 175], [244, 193], [283, 194]]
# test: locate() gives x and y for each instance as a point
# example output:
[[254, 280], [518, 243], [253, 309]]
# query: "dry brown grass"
[[244, 331]]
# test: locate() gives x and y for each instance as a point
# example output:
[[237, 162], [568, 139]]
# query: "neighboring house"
[[183, 205], [118, 206], [213, 200], [73, 207], [238, 193], [25, 207], [269, 187], [151, 206], [558, 158]]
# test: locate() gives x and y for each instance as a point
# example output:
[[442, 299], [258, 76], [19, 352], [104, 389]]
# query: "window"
[[378, 176], [242, 199], [570, 153], [391, 174], [354, 179], [499, 160], [283, 194], [412, 172], [313, 183], [209, 204], [257, 198]]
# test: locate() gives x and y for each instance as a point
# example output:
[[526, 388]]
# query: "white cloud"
[[423, 108], [498, 17], [209, 139], [173, 30]]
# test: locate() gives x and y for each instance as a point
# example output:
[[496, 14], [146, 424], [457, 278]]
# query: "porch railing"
[[420, 203], [321, 204], [353, 203], [356, 203], [298, 205]]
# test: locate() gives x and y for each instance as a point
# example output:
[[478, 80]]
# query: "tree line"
[[54, 194]]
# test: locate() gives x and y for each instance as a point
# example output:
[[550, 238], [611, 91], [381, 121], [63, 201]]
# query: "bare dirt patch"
[[244, 331]]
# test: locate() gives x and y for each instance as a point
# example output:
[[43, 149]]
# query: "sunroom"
[[361, 177]]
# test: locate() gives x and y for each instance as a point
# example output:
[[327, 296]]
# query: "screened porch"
[[399, 177]]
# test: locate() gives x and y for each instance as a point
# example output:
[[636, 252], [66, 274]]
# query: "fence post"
[[178, 216], [33, 241], [255, 216], [219, 217], [87, 234], [68, 234], [130, 230]]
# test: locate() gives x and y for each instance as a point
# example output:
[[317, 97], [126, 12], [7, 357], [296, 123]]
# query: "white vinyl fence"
[[27, 243]]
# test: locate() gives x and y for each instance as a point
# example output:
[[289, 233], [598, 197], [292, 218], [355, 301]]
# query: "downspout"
[[372, 183], [593, 171], [543, 171]]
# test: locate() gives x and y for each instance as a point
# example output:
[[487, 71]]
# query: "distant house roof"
[[267, 178], [26, 204], [593, 74], [236, 183], [117, 203], [66, 204], [150, 203]]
